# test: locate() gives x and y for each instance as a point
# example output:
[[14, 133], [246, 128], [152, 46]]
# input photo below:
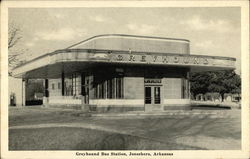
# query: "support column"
[[83, 88], [46, 93], [23, 92], [90, 88], [62, 78], [46, 88], [83, 93]]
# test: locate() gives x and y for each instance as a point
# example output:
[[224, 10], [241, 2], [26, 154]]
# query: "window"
[[101, 90], [96, 91], [119, 87], [53, 86], [157, 93], [59, 85], [111, 89], [185, 88], [68, 86], [72, 85], [148, 95]]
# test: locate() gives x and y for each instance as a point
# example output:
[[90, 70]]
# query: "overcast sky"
[[212, 31]]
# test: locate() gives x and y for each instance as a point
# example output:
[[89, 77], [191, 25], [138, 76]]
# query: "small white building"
[[15, 88]]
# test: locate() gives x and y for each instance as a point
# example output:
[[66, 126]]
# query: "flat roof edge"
[[140, 52], [109, 51]]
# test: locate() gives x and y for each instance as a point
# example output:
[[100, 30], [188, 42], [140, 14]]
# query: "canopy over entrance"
[[51, 65]]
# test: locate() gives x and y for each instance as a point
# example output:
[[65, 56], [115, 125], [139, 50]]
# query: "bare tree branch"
[[14, 37], [13, 42]]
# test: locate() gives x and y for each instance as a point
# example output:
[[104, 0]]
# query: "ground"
[[38, 128]]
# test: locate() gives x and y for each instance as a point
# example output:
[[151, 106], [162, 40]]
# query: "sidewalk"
[[173, 114]]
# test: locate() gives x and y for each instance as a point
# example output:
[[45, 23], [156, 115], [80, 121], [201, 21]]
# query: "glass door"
[[148, 95], [157, 95], [152, 95]]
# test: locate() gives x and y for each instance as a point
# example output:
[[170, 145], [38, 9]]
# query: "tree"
[[234, 84], [14, 37], [225, 82], [199, 83], [215, 81]]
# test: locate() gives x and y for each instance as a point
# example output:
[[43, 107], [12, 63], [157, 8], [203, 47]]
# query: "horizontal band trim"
[[116, 102], [64, 101], [177, 102], [125, 58]]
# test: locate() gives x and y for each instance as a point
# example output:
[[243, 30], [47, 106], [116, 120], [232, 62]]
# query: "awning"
[[73, 60]]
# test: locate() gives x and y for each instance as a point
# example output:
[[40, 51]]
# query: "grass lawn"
[[38, 115], [131, 134], [83, 139]]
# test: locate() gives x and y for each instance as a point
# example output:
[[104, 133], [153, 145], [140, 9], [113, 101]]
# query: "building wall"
[[56, 91], [134, 87], [172, 88], [64, 100], [173, 94]]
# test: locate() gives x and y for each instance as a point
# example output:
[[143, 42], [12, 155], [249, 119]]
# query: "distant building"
[[38, 96], [15, 92], [121, 73]]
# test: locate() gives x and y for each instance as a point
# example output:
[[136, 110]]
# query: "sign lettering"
[[143, 58], [170, 59], [152, 81], [154, 58], [186, 60], [165, 59], [119, 58], [132, 58], [205, 61], [176, 59], [196, 61]]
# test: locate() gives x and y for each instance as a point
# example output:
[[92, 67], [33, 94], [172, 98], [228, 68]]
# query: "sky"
[[211, 31]]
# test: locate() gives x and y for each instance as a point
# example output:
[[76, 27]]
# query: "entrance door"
[[148, 95], [153, 98], [152, 95], [157, 95]]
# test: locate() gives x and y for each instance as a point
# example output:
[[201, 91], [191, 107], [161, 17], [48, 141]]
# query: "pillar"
[[23, 92], [63, 85], [46, 88], [46, 93], [83, 91], [90, 87]]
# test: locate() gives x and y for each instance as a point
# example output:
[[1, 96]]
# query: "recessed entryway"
[[152, 98]]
